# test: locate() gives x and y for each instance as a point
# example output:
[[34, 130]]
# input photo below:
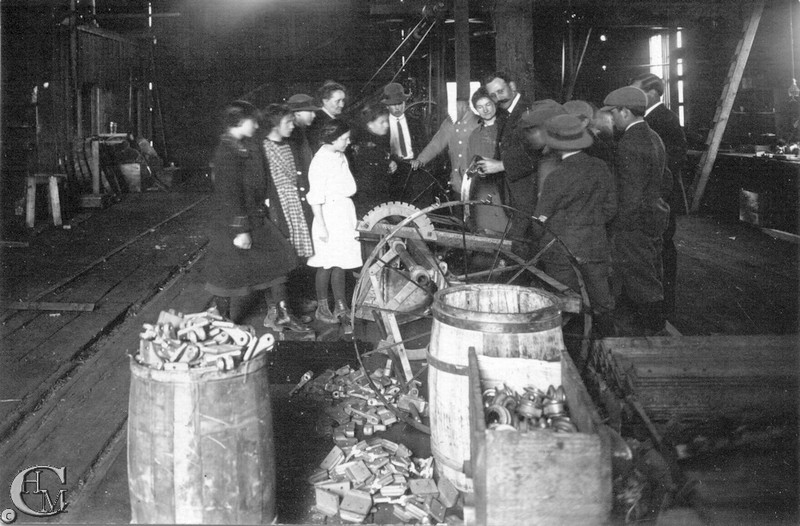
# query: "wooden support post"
[[461, 15], [514, 42], [55, 200], [30, 203], [729, 91]]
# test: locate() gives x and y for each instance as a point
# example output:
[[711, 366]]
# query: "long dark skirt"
[[231, 271]]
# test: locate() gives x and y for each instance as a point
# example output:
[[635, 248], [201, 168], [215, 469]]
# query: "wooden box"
[[706, 381], [540, 477]]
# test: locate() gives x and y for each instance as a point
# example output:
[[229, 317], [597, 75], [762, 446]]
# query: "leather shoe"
[[307, 305], [279, 319], [341, 310], [325, 315]]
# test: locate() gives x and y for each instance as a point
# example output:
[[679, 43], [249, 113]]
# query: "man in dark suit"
[[514, 157], [667, 125], [405, 145], [406, 139], [642, 214]]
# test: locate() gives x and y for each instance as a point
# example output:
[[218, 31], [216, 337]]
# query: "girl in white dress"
[[333, 231]]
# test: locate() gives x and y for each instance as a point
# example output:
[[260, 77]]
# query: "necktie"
[[402, 139]]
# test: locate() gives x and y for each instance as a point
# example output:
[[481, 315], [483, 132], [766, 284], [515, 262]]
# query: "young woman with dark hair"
[[247, 252], [334, 228]]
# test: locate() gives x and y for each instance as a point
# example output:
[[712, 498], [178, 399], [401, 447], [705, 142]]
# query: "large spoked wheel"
[[415, 252]]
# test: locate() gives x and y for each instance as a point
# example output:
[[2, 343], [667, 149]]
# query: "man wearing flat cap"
[[667, 125], [576, 201], [642, 213]]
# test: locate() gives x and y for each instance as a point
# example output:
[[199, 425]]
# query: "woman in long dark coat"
[[247, 252]]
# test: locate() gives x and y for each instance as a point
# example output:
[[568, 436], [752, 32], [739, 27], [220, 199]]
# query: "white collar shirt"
[[634, 123], [513, 103], [651, 108]]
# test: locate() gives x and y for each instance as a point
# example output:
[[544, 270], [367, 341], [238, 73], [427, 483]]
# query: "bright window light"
[[679, 67], [679, 38], [680, 92], [656, 56], [680, 115], [451, 98]]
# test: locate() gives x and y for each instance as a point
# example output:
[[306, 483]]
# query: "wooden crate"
[[540, 477], [703, 381]]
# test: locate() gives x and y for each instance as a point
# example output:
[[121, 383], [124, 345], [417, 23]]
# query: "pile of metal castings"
[[178, 342], [355, 404], [355, 482], [532, 409]]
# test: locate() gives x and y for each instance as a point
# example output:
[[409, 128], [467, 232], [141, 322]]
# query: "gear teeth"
[[397, 208]]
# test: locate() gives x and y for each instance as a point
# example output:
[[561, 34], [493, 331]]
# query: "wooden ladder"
[[725, 103]]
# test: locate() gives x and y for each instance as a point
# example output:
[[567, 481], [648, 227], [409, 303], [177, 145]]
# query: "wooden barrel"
[[200, 445], [497, 320]]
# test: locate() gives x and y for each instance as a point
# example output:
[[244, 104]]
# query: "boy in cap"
[[576, 201], [641, 212]]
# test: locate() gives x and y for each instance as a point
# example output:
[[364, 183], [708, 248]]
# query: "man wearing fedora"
[[404, 132], [642, 214], [531, 126], [406, 139], [576, 200]]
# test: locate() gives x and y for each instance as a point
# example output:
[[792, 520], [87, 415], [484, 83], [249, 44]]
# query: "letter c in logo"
[[19, 488]]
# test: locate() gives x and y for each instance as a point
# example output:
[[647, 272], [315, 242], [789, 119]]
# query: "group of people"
[[605, 180], [289, 188], [599, 179]]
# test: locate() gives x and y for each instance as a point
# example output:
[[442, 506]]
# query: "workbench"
[[762, 189]]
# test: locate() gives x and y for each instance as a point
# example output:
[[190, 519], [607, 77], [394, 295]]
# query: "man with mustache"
[[514, 158]]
